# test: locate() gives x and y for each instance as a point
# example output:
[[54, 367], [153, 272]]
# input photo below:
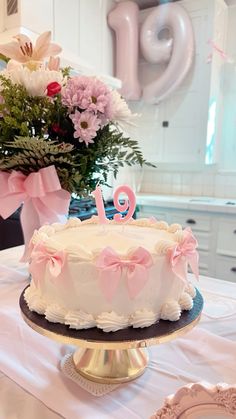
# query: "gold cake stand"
[[114, 357]]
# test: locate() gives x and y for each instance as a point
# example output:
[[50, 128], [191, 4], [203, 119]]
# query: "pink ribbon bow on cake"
[[184, 252], [40, 193], [43, 259], [112, 266]]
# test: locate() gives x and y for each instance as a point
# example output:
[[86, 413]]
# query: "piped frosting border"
[[108, 321]]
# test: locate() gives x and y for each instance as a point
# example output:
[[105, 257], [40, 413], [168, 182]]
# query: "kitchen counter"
[[198, 203]]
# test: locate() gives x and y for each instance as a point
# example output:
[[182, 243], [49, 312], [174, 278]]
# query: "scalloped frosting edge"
[[108, 321], [47, 231]]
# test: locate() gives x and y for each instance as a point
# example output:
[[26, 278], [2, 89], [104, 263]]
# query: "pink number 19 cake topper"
[[130, 203]]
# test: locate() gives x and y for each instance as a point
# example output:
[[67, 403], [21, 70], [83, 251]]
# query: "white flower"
[[121, 112], [35, 82]]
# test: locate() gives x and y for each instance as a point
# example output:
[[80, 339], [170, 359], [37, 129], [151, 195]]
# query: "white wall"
[[37, 16], [228, 142]]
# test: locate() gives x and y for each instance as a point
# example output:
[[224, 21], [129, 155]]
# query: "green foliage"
[[36, 132]]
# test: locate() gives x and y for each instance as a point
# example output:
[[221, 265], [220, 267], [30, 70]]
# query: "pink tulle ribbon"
[[42, 259], [112, 266], [40, 193], [182, 253], [219, 51]]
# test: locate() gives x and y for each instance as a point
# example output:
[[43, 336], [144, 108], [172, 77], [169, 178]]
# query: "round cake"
[[111, 276]]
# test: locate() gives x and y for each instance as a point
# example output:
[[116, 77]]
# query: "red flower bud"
[[53, 88], [56, 128]]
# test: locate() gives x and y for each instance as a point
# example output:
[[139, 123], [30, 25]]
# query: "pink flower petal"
[[43, 48], [13, 51], [22, 39], [54, 63], [42, 40], [53, 49]]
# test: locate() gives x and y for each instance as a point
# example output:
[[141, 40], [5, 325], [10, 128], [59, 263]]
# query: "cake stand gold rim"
[[128, 344], [111, 361]]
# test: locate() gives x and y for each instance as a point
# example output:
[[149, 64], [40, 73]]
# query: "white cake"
[[111, 276]]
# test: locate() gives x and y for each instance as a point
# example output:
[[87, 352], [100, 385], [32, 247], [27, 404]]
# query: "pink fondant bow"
[[182, 253], [42, 259], [40, 193], [112, 267]]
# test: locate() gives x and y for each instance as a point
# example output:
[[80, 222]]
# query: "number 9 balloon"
[[178, 51], [176, 19]]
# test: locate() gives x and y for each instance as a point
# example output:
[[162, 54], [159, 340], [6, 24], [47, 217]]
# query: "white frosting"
[[173, 228], [185, 301], [161, 225], [190, 289], [121, 237], [73, 222], [179, 236], [39, 236], [78, 319], [143, 318], [34, 301], [111, 322], [55, 313], [48, 230], [163, 245], [78, 299], [58, 226], [170, 310]]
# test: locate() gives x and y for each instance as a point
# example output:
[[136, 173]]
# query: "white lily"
[[23, 51]]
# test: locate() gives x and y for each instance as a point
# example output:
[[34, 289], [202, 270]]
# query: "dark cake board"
[[160, 332]]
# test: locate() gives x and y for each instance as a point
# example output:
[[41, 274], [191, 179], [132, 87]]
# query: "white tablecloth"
[[33, 387]]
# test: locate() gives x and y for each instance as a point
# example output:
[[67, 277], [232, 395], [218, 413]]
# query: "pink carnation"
[[96, 96], [90, 94], [73, 92], [86, 125]]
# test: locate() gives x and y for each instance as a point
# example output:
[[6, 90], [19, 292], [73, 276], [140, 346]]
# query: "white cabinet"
[[225, 263], [184, 127], [226, 239], [215, 233], [226, 268], [79, 26]]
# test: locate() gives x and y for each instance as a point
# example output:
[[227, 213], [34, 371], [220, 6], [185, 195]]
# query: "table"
[[33, 387]]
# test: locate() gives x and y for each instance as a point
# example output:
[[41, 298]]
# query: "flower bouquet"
[[58, 133]]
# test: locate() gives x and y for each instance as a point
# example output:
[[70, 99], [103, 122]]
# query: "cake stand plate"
[[114, 357]]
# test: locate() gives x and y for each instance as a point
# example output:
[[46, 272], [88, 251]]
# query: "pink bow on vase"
[[40, 193], [184, 252], [43, 259], [111, 268]]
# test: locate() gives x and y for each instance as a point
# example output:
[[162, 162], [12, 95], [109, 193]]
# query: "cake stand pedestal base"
[[115, 357], [110, 366]]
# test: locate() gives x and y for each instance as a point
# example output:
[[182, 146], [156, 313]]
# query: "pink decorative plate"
[[200, 401]]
